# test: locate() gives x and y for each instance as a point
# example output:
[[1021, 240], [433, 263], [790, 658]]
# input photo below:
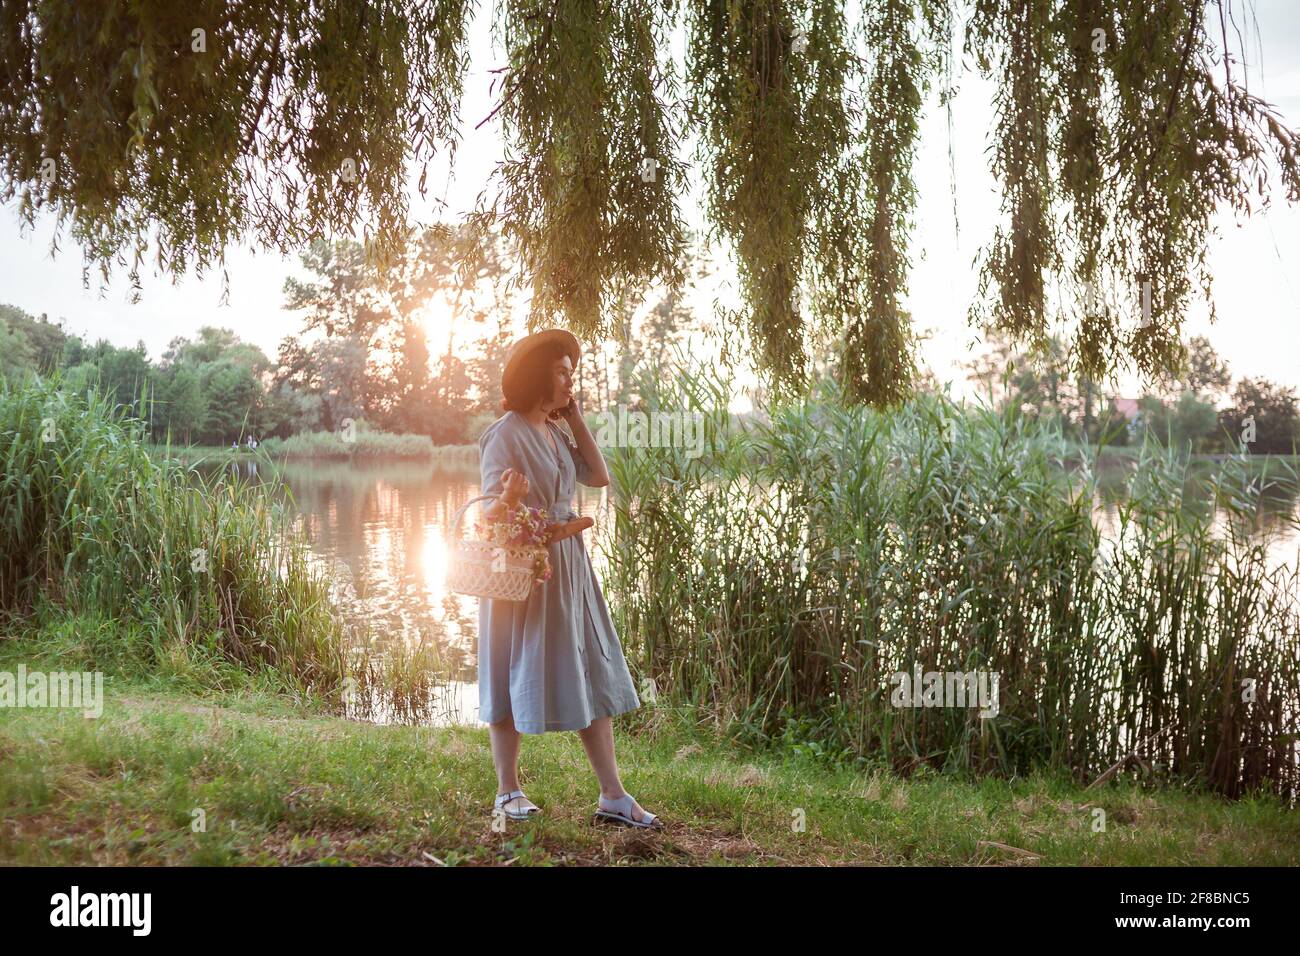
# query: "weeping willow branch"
[[588, 186], [878, 364], [1144, 150], [1120, 130], [758, 104], [204, 124]]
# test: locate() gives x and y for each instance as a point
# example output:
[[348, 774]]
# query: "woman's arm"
[[597, 475], [516, 490], [498, 456]]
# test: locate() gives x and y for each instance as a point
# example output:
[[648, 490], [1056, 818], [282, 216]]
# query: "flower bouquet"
[[524, 529]]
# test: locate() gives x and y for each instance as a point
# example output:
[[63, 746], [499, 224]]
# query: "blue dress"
[[553, 661]]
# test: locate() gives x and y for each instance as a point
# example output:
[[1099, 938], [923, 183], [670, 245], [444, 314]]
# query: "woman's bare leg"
[[598, 740], [505, 754]]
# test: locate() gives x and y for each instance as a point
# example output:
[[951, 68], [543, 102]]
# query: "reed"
[[780, 580], [185, 565], [456, 455]]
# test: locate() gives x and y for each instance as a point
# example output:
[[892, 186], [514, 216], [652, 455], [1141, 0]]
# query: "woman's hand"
[[571, 411], [567, 529], [515, 490], [515, 484]]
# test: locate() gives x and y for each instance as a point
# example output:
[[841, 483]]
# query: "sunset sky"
[[1256, 288]]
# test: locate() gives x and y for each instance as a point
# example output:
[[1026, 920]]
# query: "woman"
[[552, 662]]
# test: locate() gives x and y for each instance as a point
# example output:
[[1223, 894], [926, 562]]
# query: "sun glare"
[[433, 562]]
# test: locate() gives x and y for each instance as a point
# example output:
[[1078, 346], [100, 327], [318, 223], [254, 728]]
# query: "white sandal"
[[620, 811], [504, 798]]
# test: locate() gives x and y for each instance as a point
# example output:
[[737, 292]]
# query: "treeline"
[[364, 353], [215, 388], [1200, 407]]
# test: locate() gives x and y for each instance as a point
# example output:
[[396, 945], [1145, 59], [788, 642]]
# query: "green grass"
[[278, 783]]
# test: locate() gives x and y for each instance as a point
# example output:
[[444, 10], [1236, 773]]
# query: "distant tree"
[[45, 338], [667, 322], [341, 365], [1196, 422], [1273, 409], [449, 403], [75, 352], [124, 375], [1180, 408], [410, 411], [232, 393], [181, 406], [346, 295], [17, 357], [1113, 426], [333, 369], [649, 341], [286, 410], [412, 383], [1190, 422], [485, 370], [211, 345], [1038, 382], [470, 276], [210, 387]]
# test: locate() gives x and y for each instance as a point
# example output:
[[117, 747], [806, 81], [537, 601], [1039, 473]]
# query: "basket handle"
[[453, 530]]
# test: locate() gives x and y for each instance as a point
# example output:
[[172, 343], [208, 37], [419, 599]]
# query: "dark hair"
[[532, 382]]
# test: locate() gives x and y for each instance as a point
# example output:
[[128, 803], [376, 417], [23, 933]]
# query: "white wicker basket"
[[482, 569]]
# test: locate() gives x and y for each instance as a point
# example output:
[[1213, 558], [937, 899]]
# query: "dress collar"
[[550, 430]]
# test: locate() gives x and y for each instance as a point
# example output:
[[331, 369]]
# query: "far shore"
[[433, 453]]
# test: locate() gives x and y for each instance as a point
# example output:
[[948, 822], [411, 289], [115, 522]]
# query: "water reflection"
[[246, 469], [1272, 519]]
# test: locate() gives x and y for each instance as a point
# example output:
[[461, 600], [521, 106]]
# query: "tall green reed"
[[786, 575], [188, 565]]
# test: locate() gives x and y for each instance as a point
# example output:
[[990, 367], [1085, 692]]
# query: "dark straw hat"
[[529, 342]]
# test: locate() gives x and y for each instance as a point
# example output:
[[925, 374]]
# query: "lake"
[[380, 528]]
